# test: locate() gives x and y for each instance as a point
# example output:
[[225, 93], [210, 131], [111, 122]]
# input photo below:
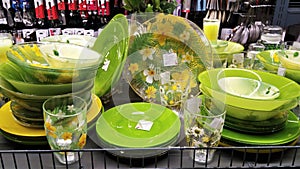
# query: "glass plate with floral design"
[[164, 43]]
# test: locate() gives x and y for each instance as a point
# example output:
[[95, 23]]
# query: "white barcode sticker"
[[144, 125], [170, 59], [281, 71]]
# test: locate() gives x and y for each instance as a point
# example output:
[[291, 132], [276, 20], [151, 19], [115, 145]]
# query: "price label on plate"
[[170, 59]]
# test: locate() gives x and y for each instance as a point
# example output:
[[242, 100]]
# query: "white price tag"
[[27, 32], [144, 125], [296, 45], [41, 33], [281, 71], [3, 21], [54, 31], [68, 31], [89, 32], [170, 59], [79, 31]]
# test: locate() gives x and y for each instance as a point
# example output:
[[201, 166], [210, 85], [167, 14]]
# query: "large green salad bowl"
[[15, 76], [287, 88], [53, 62]]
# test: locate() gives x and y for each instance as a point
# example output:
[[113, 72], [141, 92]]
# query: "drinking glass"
[[203, 120], [251, 61], [211, 30], [5, 43], [174, 88], [65, 126]]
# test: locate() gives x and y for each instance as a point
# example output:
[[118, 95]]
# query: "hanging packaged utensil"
[[28, 19], [52, 13], [186, 7], [82, 7], [18, 15], [107, 8], [7, 6], [39, 12], [3, 20], [61, 6]]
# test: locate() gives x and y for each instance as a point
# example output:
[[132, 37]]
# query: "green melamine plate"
[[289, 133], [112, 43], [117, 126], [228, 48], [271, 63]]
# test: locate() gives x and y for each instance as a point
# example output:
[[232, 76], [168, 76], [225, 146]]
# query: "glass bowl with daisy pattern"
[[54, 62], [164, 43]]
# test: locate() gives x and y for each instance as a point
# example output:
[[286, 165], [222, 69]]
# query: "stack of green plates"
[[273, 124], [286, 136], [138, 125]]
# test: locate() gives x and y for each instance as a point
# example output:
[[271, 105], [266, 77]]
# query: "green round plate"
[[117, 126], [228, 48], [111, 43], [271, 65], [290, 132]]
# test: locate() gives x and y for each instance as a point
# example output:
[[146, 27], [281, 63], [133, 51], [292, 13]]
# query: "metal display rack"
[[174, 157]]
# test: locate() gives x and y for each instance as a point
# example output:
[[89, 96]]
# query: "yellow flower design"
[[66, 136], [276, 58], [133, 67], [50, 127], [161, 39], [164, 29], [182, 78], [185, 36], [150, 92], [205, 139], [187, 58], [82, 141]]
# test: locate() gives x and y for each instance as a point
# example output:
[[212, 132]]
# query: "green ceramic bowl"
[[226, 52], [250, 114], [272, 65], [54, 62], [14, 76], [288, 88], [290, 59]]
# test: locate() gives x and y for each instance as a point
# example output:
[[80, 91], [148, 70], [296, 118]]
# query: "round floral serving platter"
[[166, 42]]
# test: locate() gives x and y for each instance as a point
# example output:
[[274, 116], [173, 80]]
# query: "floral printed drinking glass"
[[174, 88], [204, 120], [65, 126]]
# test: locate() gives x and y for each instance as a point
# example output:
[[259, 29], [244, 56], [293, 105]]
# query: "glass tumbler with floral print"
[[174, 88], [203, 120], [66, 126]]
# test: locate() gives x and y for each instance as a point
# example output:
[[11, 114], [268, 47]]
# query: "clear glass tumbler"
[[66, 126]]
